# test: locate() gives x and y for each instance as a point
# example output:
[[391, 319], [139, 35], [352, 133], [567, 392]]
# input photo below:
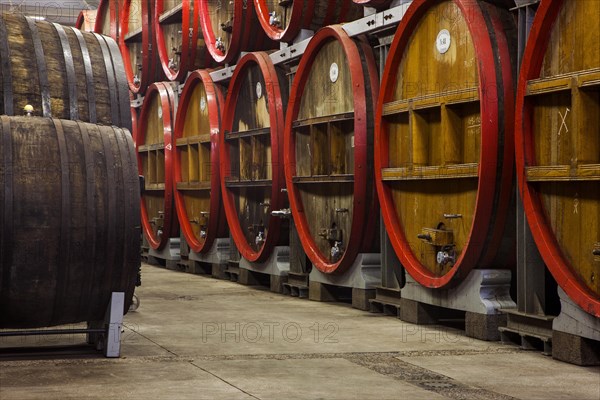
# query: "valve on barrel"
[[274, 20], [261, 236], [442, 240], [220, 45], [334, 236]]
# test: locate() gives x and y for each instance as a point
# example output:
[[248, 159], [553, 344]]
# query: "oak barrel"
[[251, 155], [69, 220], [444, 158], [328, 149], [283, 20], [230, 27], [558, 144], [196, 162], [154, 144], [138, 45], [62, 72], [181, 46]]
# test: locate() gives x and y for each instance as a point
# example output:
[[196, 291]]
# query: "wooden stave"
[[217, 223], [544, 236], [363, 230], [56, 45], [302, 17], [77, 295], [495, 244], [168, 100], [278, 198], [247, 35]]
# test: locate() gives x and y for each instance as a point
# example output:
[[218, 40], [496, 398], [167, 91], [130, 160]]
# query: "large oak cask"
[[444, 157], [328, 150], [196, 162], [558, 144], [251, 154]]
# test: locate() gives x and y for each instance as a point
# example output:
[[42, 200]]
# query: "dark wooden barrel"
[[444, 158], [328, 149], [558, 144], [138, 45], [154, 144], [230, 27], [107, 18], [61, 72], [196, 162], [69, 220], [283, 20], [181, 46], [252, 176]]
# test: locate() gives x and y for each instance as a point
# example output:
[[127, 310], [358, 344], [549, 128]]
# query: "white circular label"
[[259, 90], [334, 72], [203, 104], [443, 41]]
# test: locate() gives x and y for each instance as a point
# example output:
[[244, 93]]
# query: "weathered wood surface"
[[69, 220], [61, 72]]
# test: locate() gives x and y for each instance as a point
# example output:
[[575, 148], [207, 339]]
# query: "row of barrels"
[[435, 147], [69, 191], [167, 39]]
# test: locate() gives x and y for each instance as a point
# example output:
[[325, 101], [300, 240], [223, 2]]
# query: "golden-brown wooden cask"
[[444, 143], [251, 155], [196, 162], [154, 144], [558, 144]]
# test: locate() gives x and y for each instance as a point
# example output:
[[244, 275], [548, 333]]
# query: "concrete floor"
[[194, 337]]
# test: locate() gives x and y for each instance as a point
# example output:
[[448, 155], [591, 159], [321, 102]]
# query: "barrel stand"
[[214, 260], [168, 256], [575, 334], [297, 281], [273, 272], [358, 283], [387, 294], [104, 335], [480, 296]]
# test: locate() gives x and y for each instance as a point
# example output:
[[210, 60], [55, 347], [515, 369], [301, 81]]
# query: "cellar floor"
[[194, 337]]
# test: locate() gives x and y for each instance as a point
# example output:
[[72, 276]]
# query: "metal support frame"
[[218, 253], [170, 253], [103, 335], [278, 263]]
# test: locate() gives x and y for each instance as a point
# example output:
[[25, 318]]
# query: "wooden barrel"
[[196, 162], [444, 139], [138, 45], [154, 144], [107, 18], [230, 27], [379, 4], [283, 20], [328, 149], [558, 144], [251, 156], [181, 47], [69, 220], [61, 72]]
